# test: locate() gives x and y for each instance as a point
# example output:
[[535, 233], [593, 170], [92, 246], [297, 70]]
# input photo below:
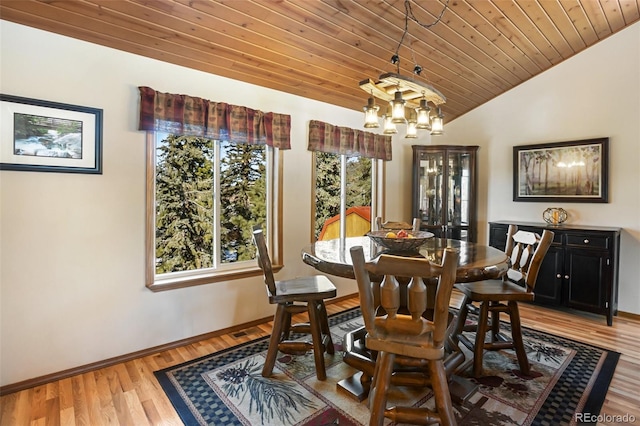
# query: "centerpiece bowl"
[[400, 245]]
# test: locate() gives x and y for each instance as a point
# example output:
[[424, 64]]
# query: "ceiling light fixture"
[[407, 97]]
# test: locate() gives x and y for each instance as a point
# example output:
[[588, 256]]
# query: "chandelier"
[[408, 98]]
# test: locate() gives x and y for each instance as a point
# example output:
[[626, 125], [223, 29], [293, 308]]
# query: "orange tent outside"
[[358, 223]]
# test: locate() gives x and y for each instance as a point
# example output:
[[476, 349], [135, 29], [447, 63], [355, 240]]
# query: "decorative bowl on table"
[[399, 245]]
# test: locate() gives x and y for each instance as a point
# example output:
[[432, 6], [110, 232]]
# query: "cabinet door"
[[498, 235], [548, 288], [459, 212], [430, 196], [586, 272]]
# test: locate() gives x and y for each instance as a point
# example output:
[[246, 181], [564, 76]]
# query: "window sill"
[[202, 279]]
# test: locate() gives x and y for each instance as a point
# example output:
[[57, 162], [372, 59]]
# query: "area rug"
[[226, 387]]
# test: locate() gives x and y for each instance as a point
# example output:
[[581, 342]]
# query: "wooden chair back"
[[384, 297], [264, 261], [527, 251]]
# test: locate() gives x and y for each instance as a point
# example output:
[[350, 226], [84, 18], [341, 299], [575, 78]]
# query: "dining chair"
[[526, 251], [398, 334], [294, 296], [389, 225]]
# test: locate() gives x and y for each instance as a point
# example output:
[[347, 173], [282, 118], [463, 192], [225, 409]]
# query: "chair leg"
[[462, 319], [440, 386], [276, 334], [378, 393], [495, 326], [516, 336], [286, 326], [316, 336], [325, 328], [478, 350]]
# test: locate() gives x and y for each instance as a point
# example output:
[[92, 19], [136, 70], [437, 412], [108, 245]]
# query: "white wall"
[[72, 246], [593, 94]]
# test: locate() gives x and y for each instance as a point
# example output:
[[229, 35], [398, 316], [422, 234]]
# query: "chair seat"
[[495, 289], [314, 287]]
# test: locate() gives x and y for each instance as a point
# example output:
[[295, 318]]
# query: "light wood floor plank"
[[129, 394]]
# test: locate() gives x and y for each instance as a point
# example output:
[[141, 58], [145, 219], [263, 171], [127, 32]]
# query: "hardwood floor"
[[128, 393]]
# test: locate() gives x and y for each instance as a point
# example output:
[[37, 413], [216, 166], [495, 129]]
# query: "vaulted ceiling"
[[322, 49]]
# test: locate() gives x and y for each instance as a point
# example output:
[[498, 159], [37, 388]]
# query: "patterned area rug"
[[226, 388]]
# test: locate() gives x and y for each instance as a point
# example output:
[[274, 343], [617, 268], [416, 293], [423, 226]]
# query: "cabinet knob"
[[586, 241], [559, 276], [566, 277]]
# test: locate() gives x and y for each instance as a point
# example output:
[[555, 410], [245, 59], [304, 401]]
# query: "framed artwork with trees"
[[574, 171]]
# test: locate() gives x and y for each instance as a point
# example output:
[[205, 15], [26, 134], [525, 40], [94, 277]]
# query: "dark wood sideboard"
[[580, 270]]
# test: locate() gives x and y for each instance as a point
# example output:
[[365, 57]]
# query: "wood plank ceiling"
[[322, 49]]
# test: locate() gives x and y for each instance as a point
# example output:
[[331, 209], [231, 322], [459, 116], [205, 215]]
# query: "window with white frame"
[[205, 196], [213, 172], [348, 175], [353, 178]]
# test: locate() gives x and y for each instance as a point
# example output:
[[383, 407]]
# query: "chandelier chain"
[[408, 14]]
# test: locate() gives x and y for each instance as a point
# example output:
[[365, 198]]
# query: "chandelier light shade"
[[371, 114], [437, 124], [412, 130], [397, 108], [424, 121], [407, 97], [389, 125]]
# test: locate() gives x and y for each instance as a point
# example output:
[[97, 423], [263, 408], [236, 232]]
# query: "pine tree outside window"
[[207, 196], [348, 175], [213, 172], [359, 185]]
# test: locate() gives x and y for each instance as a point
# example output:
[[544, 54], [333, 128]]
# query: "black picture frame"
[[45, 136], [572, 171]]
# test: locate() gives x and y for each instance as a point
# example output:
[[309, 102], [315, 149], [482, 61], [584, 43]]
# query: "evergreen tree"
[[184, 204], [358, 182], [328, 185], [243, 195], [327, 188]]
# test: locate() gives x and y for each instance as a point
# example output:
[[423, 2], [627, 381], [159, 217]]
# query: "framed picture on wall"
[[574, 171], [45, 136]]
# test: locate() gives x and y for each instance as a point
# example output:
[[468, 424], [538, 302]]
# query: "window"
[[204, 196], [353, 177]]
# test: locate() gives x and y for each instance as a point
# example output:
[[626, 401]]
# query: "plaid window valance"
[[191, 116], [326, 137]]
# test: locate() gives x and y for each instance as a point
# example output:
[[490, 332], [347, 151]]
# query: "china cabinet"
[[580, 270], [444, 190]]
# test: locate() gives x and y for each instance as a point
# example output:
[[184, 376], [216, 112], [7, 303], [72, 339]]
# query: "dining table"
[[475, 262]]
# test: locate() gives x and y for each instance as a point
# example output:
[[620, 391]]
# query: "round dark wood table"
[[476, 262]]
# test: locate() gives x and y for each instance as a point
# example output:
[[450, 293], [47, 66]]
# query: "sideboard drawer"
[[588, 241]]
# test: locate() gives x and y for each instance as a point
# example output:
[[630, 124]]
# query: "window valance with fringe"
[[326, 137], [191, 116]]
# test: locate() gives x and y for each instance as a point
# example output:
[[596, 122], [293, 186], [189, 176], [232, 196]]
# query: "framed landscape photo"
[[47, 136], [575, 171]]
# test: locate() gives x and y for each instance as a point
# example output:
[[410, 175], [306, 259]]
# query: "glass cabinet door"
[[444, 190], [459, 195], [431, 194]]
